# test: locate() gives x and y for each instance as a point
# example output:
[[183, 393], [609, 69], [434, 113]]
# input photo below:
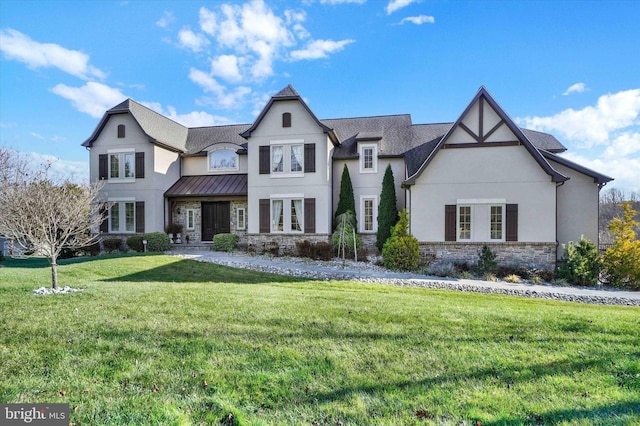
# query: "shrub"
[[443, 269], [304, 248], [513, 278], [174, 228], [489, 277], [272, 247], [135, 243], [622, 260], [157, 241], [466, 275], [322, 251], [387, 209], [91, 249], [1, 257], [345, 241], [401, 251], [486, 261], [346, 200], [580, 263], [225, 242], [363, 254], [112, 244]]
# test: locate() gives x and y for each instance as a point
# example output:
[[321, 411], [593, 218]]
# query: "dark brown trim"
[[481, 145], [264, 160], [309, 158], [470, 132], [450, 220], [139, 165], [511, 219], [265, 215], [140, 217], [481, 119], [492, 131]]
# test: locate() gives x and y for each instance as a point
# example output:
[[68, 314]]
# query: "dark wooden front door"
[[216, 219]]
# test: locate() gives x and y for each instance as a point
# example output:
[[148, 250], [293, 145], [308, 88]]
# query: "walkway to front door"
[[216, 219]]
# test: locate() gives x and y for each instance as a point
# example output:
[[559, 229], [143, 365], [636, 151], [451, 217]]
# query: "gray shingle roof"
[[200, 138]]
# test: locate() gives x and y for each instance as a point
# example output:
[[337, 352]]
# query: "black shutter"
[[140, 217], [104, 225], [264, 159], [139, 165], [265, 216], [103, 165], [309, 215], [512, 222], [309, 158], [450, 222]]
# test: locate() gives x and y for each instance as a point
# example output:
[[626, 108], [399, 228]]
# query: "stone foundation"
[[540, 255], [285, 244]]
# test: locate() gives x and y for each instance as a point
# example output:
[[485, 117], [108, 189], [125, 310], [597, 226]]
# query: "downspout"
[[557, 242], [600, 186]]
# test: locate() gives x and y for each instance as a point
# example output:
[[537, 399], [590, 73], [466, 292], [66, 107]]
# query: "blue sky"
[[570, 68]]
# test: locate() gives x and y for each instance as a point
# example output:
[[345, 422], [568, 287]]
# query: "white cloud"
[[419, 20], [207, 20], [190, 119], [190, 40], [342, 1], [592, 125], [625, 170], [395, 5], [18, 46], [75, 171], [226, 67], [92, 98], [576, 88], [166, 20], [37, 136], [222, 97], [319, 49]]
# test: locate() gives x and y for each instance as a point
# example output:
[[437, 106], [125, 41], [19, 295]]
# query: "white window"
[[368, 213], [223, 160], [122, 216], [241, 218], [122, 165], [190, 219], [464, 222], [368, 158], [287, 215], [287, 158], [496, 223]]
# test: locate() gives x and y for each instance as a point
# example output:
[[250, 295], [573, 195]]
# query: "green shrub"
[[304, 248], [622, 260], [513, 278], [489, 277], [1, 257], [225, 242], [387, 209], [486, 262], [135, 243], [346, 200], [112, 244], [174, 228], [580, 263], [157, 241], [401, 251], [322, 251]]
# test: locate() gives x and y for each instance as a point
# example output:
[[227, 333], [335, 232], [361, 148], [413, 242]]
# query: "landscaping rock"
[[44, 291]]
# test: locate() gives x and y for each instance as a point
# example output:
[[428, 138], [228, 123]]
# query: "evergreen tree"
[[387, 209], [346, 201]]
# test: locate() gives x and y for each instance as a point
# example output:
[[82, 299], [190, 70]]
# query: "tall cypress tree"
[[387, 208], [346, 201]]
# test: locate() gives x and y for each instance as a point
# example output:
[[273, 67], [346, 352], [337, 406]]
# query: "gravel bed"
[[45, 291], [353, 271]]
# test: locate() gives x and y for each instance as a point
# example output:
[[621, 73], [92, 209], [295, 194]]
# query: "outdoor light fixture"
[[144, 243]]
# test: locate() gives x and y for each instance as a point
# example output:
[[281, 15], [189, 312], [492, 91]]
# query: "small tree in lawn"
[[44, 217], [346, 200], [387, 208], [345, 241], [622, 260]]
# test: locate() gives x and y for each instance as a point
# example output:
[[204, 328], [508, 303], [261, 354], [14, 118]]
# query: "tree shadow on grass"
[[191, 271]]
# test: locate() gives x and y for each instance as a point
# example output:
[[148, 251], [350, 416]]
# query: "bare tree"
[[45, 217]]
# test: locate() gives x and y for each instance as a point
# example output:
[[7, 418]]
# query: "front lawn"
[[160, 340]]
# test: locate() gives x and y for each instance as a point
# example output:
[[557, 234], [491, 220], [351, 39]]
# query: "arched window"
[[223, 159], [286, 119], [121, 130]]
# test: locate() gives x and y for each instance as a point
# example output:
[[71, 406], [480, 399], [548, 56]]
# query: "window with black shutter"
[[512, 222], [264, 160], [450, 222], [139, 165], [140, 217], [265, 216], [310, 215], [309, 158]]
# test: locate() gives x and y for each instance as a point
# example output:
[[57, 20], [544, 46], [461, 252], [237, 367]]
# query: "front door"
[[216, 219]]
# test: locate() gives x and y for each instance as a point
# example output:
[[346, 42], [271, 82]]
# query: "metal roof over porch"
[[209, 186]]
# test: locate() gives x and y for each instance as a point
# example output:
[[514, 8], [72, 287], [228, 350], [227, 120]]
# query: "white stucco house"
[[479, 180]]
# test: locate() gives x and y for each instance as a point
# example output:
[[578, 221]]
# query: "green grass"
[[139, 343]]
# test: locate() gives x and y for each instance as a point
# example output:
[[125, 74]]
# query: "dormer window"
[[368, 158], [121, 128], [286, 119], [223, 160]]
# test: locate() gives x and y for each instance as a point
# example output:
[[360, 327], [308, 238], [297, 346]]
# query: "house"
[[479, 180]]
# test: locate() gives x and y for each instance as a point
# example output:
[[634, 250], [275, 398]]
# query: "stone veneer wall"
[[541, 255], [195, 235], [260, 243]]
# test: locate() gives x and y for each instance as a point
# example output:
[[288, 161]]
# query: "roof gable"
[[484, 123], [288, 94], [159, 129]]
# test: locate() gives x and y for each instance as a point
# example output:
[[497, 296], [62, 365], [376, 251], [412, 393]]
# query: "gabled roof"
[[161, 130], [200, 138], [483, 94], [287, 94], [597, 177]]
